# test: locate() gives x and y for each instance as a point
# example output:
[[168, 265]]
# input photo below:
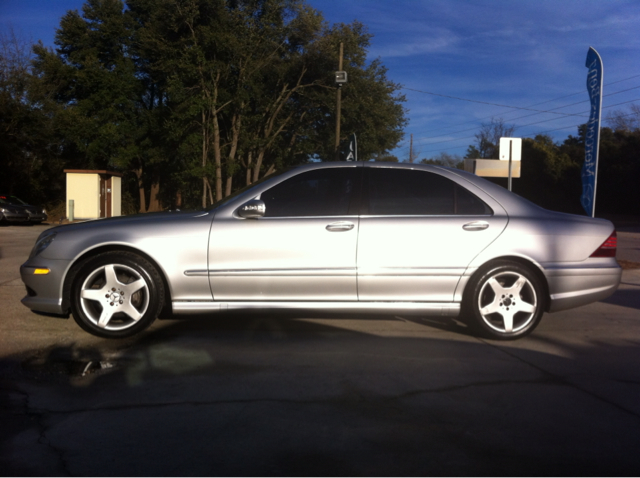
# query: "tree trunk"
[[141, 192], [154, 200], [217, 157], [205, 152], [249, 166]]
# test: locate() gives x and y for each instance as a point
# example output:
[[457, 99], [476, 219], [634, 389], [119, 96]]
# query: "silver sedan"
[[331, 238]]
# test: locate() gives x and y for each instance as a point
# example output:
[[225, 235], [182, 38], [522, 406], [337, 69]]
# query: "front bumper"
[[45, 291], [39, 217], [15, 217]]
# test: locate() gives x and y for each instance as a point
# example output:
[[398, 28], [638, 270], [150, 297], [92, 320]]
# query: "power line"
[[531, 124], [536, 112], [544, 121], [538, 133], [487, 103], [525, 108], [585, 116]]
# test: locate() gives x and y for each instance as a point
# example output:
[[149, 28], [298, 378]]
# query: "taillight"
[[608, 247]]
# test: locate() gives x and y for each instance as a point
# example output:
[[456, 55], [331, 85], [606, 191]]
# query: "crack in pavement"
[[562, 380], [360, 398], [40, 417]]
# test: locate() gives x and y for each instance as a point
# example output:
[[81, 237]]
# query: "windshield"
[[251, 186]]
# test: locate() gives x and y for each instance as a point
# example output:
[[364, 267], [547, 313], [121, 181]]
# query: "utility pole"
[[338, 106], [411, 149]]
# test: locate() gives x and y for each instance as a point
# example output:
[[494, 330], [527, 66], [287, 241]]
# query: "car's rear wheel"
[[505, 301], [116, 294]]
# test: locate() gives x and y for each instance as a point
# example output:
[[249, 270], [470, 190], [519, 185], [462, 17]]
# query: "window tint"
[[324, 192], [405, 192]]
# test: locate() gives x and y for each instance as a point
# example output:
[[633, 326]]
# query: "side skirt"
[[449, 309]]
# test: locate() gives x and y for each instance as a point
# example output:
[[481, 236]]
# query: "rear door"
[[418, 232]]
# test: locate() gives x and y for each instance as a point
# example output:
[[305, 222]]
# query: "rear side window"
[[406, 192], [323, 192]]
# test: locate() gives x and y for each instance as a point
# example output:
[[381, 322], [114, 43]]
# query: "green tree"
[[548, 175], [250, 86], [29, 146], [106, 108], [216, 92]]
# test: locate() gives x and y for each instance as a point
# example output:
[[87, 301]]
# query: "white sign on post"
[[510, 150], [516, 149]]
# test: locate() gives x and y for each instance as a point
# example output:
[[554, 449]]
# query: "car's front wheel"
[[116, 294], [505, 301]]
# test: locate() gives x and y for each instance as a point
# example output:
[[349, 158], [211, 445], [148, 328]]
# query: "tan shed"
[[92, 194]]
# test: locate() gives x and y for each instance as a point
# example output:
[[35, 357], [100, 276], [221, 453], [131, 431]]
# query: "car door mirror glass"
[[252, 209]]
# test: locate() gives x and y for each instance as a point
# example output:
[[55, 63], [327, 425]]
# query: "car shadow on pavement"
[[449, 324], [625, 298], [267, 396], [249, 396]]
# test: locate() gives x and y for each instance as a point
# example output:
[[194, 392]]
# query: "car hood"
[[131, 221], [139, 230]]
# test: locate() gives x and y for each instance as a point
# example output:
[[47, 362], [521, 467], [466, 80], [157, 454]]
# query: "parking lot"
[[380, 395]]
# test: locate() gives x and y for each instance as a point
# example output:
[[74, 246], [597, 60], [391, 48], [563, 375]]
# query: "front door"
[[303, 249]]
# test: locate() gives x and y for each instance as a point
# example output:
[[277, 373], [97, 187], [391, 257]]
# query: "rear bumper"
[[573, 287]]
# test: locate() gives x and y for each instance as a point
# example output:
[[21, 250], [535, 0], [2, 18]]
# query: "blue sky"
[[518, 53]]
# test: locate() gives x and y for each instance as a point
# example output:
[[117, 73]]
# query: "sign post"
[[510, 150]]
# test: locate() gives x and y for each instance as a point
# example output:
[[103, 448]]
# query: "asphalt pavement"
[[382, 395]]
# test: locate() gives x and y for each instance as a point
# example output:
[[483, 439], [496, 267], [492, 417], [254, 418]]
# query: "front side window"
[[323, 192], [406, 192]]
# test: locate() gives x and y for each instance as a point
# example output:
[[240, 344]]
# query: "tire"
[[116, 294], [506, 301]]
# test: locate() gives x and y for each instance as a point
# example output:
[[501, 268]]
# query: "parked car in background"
[[36, 214], [331, 238], [12, 214]]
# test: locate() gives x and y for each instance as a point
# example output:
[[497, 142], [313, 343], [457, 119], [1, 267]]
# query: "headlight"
[[42, 243]]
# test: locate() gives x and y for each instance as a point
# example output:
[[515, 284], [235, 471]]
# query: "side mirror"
[[252, 209]]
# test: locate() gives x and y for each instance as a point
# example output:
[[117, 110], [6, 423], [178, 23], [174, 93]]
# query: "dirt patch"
[[628, 264]]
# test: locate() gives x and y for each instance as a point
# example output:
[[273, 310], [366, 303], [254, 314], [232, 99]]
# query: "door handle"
[[476, 226], [340, 226]]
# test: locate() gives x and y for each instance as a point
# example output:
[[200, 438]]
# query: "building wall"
[[116, 196], [84, 189]]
